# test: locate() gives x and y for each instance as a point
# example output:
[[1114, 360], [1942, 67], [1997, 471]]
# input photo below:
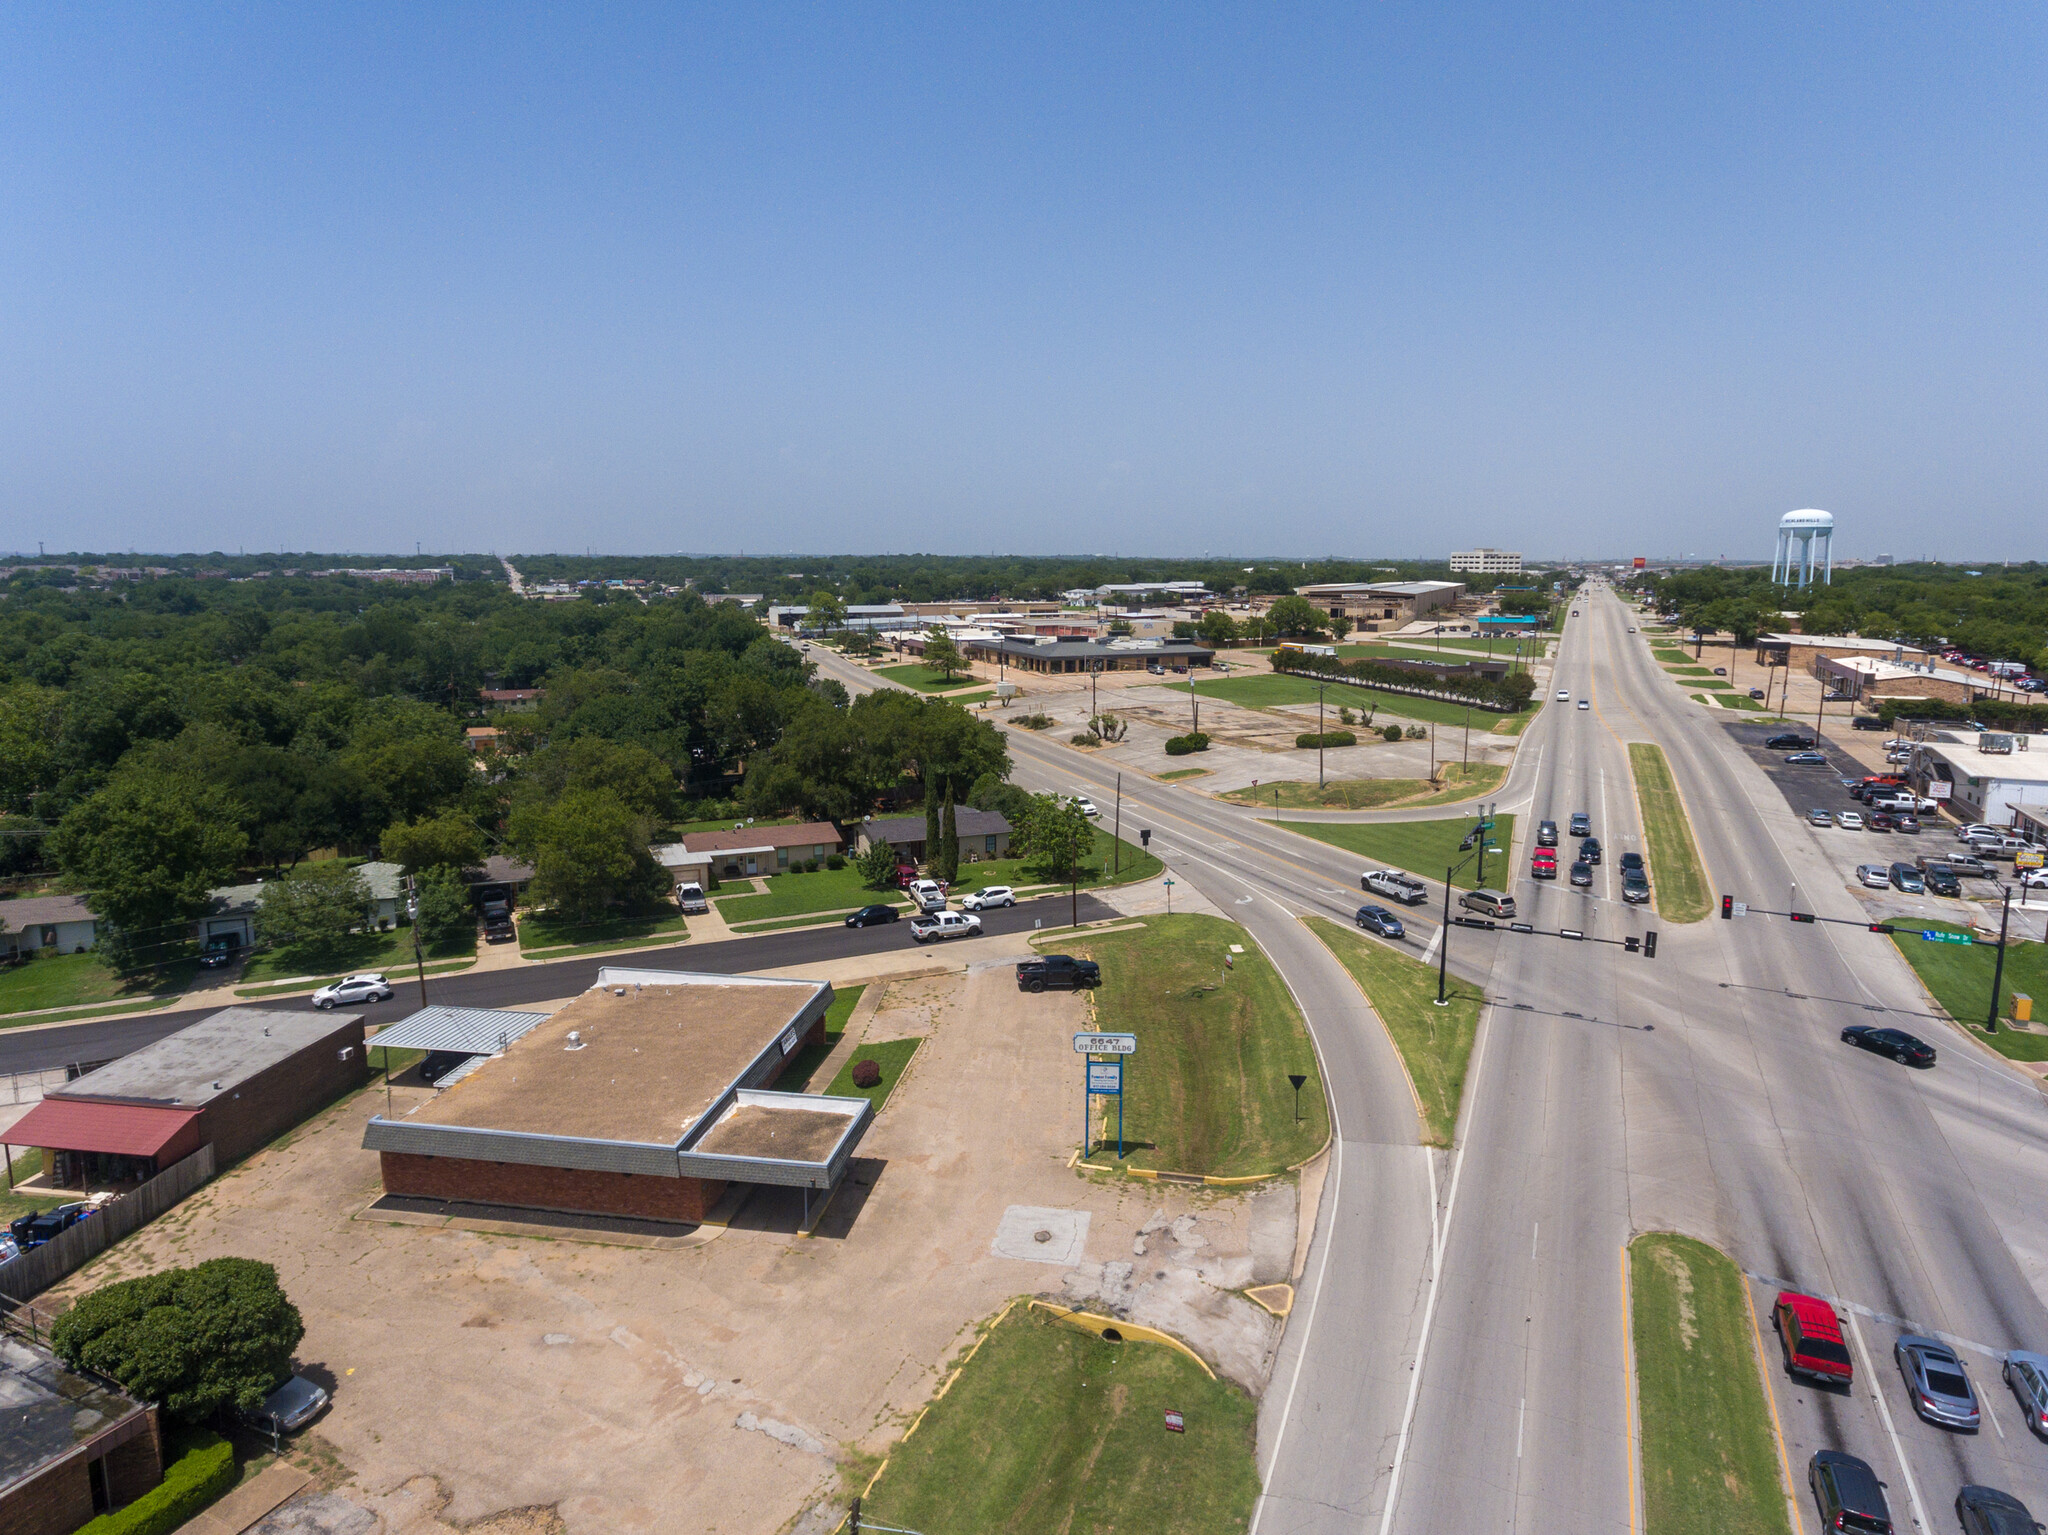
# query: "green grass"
[[1514, 724], [1373, 793], [1133, 864], [963, 699], [796, 1076], [666, 934], [1275, 689], [814, 919], [1740, 701], [1665, 653], [1710, 1466], [1960, 980], [794, 894], [1676, 877], [72, 1015], [685, 828], [1421, 847], [364, 951], [892, 1055], [917, 675], [13, 1205], [78, 980], [1435, 1042], [1049, 1428], [544, 930], [1207, 1091], [1690, 671], [1178, 773]]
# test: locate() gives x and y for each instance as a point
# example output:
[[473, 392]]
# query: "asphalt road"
[[39, 1049]]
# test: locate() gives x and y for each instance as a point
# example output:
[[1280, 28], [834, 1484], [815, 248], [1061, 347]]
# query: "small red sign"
[[1175, 1423]]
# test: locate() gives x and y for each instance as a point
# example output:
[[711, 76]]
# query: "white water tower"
[[1797, 560]]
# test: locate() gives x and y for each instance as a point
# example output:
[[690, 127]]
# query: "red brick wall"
[[272, 1101], [549, 1188], [137, 1466], [55, 1503]]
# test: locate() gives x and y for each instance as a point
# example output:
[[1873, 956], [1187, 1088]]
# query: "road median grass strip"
[[1959, 979], [1677, 878], [1047, 1427], [1461, 782], [1207, 1091], [1710, 1463], [1435, 1042], [1421, 847]]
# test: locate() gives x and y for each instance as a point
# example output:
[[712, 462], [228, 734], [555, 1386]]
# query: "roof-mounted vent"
[[576, 1040]]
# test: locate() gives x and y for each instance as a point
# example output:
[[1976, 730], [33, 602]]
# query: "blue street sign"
[[1105, 1077]]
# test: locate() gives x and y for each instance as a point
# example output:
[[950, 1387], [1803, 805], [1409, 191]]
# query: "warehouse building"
[[646, 1097], [1382, 606]]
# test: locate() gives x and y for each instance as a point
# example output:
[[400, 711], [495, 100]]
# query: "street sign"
[[1105, 1076], [1105, 1044], [1175, 1423], [1740, 908], [1486, 826], [1931, 936]]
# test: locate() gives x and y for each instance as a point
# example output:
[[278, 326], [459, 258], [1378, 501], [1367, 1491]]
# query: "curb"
[[1126, 1332]]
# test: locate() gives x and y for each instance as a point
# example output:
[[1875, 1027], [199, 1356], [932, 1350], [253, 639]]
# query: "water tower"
[[1797, 560]]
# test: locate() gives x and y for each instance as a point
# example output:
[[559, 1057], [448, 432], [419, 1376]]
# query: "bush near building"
[[1310, 741]]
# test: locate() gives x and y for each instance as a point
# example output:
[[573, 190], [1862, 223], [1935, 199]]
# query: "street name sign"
[[1931, 936], [1105, 1044]]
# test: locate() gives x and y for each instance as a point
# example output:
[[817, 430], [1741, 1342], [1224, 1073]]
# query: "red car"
[[1543, 863], [1812, 1335]]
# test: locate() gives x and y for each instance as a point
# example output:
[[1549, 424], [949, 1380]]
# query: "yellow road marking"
[[1628, 1383], [1756, 1333]]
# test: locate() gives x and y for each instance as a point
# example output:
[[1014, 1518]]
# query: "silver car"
[[1875, 876], [1936, 1381], [289, 1408], [353, 988], [2027, 1374]]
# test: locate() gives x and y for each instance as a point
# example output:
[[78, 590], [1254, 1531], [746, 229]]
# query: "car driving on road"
[[1936, 1381], [944, 924], [1582, 824], [1906, 1049], [2027, 1375], [872, 916], [1582, 873], [1543, 863], [1990, 1511], [1812, 1335], [1564, 695], [368, 987], [1546, 834], [1377, 919], [1635, 887], [1394, 885], [1848, 1493], [1590, 850]]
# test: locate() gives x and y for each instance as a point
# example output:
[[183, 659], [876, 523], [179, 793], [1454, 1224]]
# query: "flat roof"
[[765, 1130], [2029, 766], [1842, 642], [1066, 648], [50, 1412], [644, 1067], [216, 1055]]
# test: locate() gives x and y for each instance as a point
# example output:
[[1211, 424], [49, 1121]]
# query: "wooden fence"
[[40, 1267]]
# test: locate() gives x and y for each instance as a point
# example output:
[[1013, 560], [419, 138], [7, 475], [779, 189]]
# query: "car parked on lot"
[[1990, 1511], [872, 916], [1941, 880], [1590, 850], [1720, 671], [367, 987], [1848, 1493], [1395, 885], [944, 924], [1792, 742], [1582, 824], [1582, 873], [1805, 759], [2034, 879], [1936, 1381], [928, 895], [1906, 1049], [1849, 820], [1908, 879], [287, 1409], [1874, 876], [1377, 919], [1057, 972], [1819, 817], [1812, 1337], [989, 897], [1880, 820], [1906, 821]]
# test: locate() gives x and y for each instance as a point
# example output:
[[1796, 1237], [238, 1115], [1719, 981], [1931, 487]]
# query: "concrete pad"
[[1017, 1236], [249, 1502]]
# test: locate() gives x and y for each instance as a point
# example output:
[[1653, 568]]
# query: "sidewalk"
[[249, 1502]]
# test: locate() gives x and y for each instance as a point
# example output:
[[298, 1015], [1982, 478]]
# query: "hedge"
[[1998, 713], [1328, 738], [1505, 695], [1180, 746], [192, 1481]]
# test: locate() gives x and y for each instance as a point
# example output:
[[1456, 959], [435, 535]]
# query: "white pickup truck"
[[944, 924], [1394, 885]]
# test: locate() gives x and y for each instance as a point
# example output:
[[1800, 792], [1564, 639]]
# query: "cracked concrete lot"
[[554, 1382]]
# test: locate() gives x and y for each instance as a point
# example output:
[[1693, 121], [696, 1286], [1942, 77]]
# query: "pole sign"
[[1175, 1423], [1103, 1079], [1105, 1044]]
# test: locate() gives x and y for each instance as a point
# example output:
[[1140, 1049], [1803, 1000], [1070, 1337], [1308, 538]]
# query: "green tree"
[[1119, 626], [1218, 627], [1296, 618], [444, 914], [943, 656], [312, 911], [196, 1341], [1057, 836], [409, 761], [31, 721], [589, 854], [633, 772], [949, 840], [1339, 625], [877, 866], [827, 612], [439, 842], [146, 851]]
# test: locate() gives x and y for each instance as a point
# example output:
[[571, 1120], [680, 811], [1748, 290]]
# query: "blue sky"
[[1364, 280]]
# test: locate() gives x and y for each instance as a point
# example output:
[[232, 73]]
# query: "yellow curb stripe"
[[1128, 1332]]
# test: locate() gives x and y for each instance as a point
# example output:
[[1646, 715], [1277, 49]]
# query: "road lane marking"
[[1628, 1383], [1521, 1416], [1884, 1411]]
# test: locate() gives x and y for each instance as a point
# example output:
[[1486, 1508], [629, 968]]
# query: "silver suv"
[[369, 987]]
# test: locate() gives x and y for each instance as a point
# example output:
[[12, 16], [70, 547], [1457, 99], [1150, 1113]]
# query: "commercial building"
[[646, 1098], [1047, 653], [1376, 606], [1989, 777], [1486, 562], [58, 923], [1804, 652], [232, 1081], [1869, 678], [982, 833], [74, 1446]]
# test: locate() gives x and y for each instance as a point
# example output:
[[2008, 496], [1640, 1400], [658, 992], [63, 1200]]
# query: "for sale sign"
[[1175, 1423]]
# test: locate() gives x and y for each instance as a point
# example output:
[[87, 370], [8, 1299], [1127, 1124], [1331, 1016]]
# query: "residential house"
[[706, 857], [59, 923], [513, 700], [983, 835]]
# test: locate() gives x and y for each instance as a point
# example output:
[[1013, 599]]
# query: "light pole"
[[1443, 963], [1998, 969], [1319, 735]]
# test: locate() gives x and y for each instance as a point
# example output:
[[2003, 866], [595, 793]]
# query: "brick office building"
[[645, 1097], [72, 1446]]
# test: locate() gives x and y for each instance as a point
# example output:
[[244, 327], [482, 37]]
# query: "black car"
[[1546, 834], [870, 916], [1902, 1047], [1582, 824], [1631, 863], [1987, 1511], [1589, 850], [1848, 1493], [1059, 972], [1635, 887], [1377, 919], [1941, 880], [1582, 873]]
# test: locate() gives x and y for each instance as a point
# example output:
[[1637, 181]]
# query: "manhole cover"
[[1041, 1236]]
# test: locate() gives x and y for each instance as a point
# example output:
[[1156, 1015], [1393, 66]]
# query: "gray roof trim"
[[465, 1030], [569, 1151], [783, 1171]]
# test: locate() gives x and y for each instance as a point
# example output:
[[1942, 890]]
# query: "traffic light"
[[1800, 916], [1650, 945], [1727, 908], [1631, 943]]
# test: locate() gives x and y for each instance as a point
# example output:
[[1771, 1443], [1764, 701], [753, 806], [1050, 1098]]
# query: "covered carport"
[[456, 1040]]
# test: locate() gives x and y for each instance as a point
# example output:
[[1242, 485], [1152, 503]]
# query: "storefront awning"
[[116, 1129]]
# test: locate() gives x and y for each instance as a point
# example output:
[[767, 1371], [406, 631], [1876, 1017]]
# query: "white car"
[[1585, 703], [1978, 828], [1087, 806], [1848, 820], [1564, 695], [2034, 879], [989, 896], [1876, 876], [944, 924], [369, 987]]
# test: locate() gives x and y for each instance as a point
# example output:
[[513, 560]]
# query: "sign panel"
[[1931, 936], [1939, 788], [1105, 1076], [1105, 1044], [2029, 858], [1740, 908], [1175, 1423]]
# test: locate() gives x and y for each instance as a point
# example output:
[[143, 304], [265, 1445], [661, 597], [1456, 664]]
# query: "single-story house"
[[76, 1446], [59, 923], [1050, 654], [706, 855], [482, 737], [500, 878], [232, 915], [983, 834], [387, 891], [517, 700]]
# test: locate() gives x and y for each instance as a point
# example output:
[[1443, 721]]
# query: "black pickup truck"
[[1057, 971]]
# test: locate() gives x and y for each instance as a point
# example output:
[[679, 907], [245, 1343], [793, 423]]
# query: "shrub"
[[867, 1074], [204, 1472], [836, 861], [1180, 746], [1390, 733], [1311, 740], [1417, 733], [1085, 738], [1035, 721]]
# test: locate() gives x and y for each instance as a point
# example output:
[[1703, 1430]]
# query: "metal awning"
[[117, 1129], [457, 1030]]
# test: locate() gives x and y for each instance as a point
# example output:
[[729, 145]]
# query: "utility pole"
[[412, 892], [1319, 735], [1116, 839], [1998, 969], [1443, 944]]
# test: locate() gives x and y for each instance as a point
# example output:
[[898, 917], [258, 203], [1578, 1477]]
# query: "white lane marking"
[[1435, 938], [1521, 1414], [1534, 1231], [1984, 1411], [1884, 1411], [1438, 1236]]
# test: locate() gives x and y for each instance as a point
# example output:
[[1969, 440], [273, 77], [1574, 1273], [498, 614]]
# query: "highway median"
[[1676, 874]]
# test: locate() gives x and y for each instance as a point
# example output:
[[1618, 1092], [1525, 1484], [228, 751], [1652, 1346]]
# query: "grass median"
[[924, 679], [1461, 782], [1710, 1464], [1274, 689], [1047, 1427], [1422, 847], [1435, 1042], [1676, 875], [1207, 1091], [796, 1076], [1959, 977]]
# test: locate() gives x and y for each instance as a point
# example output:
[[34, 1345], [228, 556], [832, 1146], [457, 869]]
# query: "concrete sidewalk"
[[249, 1502]]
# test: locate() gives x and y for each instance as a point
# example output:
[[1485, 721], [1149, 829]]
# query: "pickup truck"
[[1057, 972], [1394, 885], [944, 924], [690, 898]]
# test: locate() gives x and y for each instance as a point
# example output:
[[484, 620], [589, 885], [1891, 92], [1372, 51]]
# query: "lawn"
[[1133, 863], [917, 675], [1960, 979], [1682, 657], [1275, 689], [892, 1055], [1179, 773], [1740, 701], [1710, 1466], [796, 1076], [77, 980], [1690, 671], [794, 894], [1049, 1428], [684, 828], [364, 951], [544, 930], [1435, 1042], [1373, 793], [1207, 1091], [1421, 847], [1676, 878]]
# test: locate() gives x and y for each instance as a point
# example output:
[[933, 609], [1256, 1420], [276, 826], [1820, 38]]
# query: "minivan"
[[1812, 1335], [1546, 834], [1489, 903]]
